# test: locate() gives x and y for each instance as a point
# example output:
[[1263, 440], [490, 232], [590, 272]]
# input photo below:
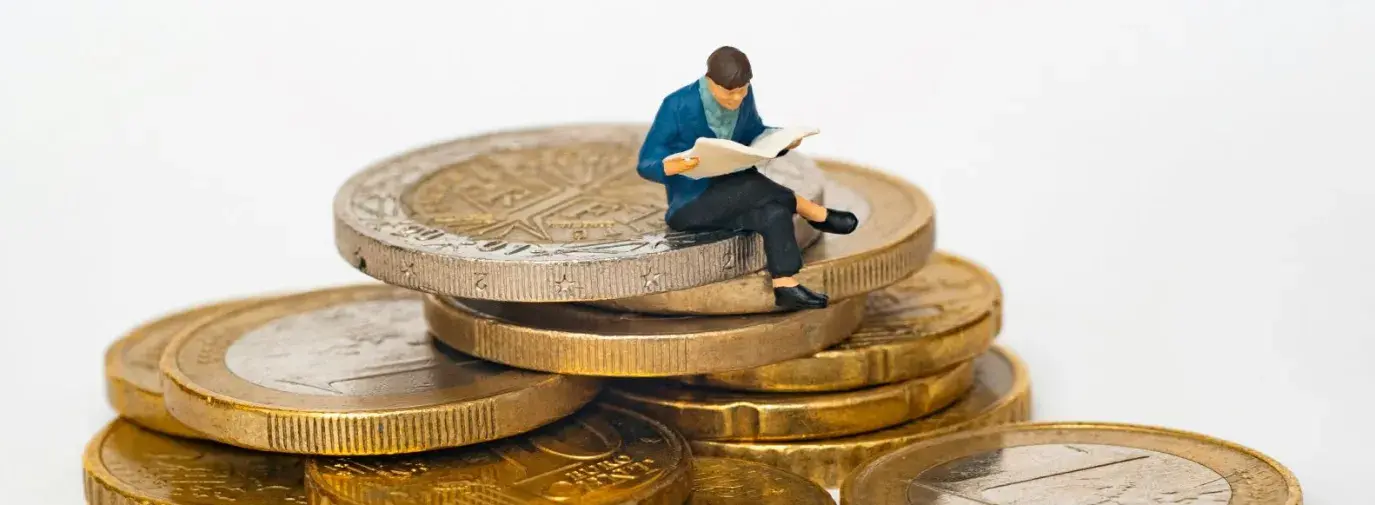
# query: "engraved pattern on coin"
[[941, 297], [541, 196], [201, 473], [719, 481], [591, 458], [1064, 474], [357, 349]]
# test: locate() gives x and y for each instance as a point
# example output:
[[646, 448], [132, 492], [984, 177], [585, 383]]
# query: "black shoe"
[[799, 298], [839, 222]]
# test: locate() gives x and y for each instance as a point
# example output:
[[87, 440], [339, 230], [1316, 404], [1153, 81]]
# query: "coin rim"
[[1291, 482], [141, 405], [889, 261], [198, 406], [674, 489], [975, 335], [385, 257], [828, 461], [449, 324], [719, 418]]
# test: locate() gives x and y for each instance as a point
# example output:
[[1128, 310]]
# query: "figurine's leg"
[[749, 201], [824, 219], [783, 258], [810, 210]]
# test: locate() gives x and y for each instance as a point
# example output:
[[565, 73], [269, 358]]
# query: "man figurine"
[[721, 105]]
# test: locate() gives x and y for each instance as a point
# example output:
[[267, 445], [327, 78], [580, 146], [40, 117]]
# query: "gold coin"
[[713, 414], [602, 455], [584, 340], [538, 215], [947, 313], [349, 371], [129, 465], [1001, 394], [723, 481], [895, 236], [132, 381], [1064, 463]]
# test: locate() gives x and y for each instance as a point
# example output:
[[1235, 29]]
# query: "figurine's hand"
[[677, 166]]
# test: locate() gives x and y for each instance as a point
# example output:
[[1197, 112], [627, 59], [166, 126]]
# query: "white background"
[[1176, 195]]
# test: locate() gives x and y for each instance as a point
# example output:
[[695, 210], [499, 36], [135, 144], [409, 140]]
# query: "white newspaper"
[[720, 156]]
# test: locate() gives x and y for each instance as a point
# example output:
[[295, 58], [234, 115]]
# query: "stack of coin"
[[540, 336]]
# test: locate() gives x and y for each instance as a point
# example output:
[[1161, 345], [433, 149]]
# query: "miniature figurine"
[[721, 105]]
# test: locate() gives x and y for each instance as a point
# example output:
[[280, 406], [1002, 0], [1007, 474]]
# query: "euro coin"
[[1061, 463], [710, 414], [347, 371], [722, 481], [601, 456], [895, 237], [538, 215], [948, 312], [132, 380], [1001, 394], [584, 340], [126, 465]]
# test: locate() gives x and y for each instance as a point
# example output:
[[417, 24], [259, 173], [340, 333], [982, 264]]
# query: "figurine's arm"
[[658, 144]]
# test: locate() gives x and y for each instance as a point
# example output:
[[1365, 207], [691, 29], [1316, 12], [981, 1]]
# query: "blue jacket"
[[680, 121]]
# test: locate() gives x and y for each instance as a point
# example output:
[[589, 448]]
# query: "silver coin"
[[539, 215]]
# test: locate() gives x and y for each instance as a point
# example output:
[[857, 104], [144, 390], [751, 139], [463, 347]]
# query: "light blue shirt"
[[720, 119]]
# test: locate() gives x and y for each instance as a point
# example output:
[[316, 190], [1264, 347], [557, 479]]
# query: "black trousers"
[[748, 201]]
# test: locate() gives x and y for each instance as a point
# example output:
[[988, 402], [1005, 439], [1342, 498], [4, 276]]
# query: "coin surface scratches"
[[1061, 463], [347, 371]]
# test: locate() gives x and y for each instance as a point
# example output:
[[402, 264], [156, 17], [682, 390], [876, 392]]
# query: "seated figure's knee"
[[774, 212]]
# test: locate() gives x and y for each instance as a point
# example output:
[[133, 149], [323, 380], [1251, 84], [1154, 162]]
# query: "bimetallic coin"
[[348, 371], [538, 215], [722, 481], [1072, 463], [896, 235], [132, 380], [711, 414], [602, 455], [947, 313], [585, 340], [1001, 394], [129, 465]]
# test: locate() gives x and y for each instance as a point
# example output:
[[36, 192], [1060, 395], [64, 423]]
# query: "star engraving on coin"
[[565, 286], [651, 279]]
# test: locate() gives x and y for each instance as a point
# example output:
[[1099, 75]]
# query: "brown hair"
[[729, 68]]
